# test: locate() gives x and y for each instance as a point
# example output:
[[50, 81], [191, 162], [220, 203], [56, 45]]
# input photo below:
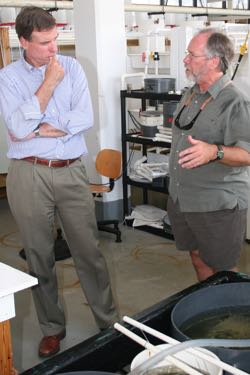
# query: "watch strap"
[[37, 132]]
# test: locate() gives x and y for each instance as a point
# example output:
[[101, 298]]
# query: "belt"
[[50, 163]]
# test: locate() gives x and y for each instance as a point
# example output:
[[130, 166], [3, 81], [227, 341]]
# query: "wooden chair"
[[108, 164]]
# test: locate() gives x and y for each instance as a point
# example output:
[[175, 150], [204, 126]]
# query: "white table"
[[11, 281]]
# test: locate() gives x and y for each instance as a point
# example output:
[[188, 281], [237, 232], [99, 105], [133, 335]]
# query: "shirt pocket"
[[210, 128]]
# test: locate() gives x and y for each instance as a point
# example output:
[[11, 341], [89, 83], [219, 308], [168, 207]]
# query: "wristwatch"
[[220, 152], [36, 131]]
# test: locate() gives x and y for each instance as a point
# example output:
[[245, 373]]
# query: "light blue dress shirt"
[[69, 110]]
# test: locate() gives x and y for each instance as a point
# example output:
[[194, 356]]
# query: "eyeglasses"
[[186, 104], [193, 56]]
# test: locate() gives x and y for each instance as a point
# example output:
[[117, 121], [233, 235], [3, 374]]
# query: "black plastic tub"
[[111, 351]]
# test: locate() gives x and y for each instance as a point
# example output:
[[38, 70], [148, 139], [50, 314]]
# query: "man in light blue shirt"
[[46, 105]]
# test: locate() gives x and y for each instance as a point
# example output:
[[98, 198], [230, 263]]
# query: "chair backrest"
[[109, 163]]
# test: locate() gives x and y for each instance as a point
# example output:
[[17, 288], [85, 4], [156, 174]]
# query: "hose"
[[156, 358]]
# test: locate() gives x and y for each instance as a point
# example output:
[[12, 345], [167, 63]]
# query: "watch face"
[[220, 154]]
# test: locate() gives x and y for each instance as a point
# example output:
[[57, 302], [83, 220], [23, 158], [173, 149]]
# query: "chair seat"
[[99, 189]]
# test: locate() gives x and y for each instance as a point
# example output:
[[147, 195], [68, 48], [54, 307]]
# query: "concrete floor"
[[144, 269]]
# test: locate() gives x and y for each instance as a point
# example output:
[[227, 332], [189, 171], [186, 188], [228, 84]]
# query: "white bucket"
[[149, 121], [188, 358]]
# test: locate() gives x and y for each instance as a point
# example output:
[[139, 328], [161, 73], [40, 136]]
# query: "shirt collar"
[[30, 67], [216, 88], [219, 85]]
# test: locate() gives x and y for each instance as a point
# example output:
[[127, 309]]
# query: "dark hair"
[[33, 18], [218, 44]]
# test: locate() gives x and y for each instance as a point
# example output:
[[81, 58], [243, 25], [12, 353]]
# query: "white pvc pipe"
[[156, 50], [175, 361], [38, 3], [155, 33], [132, 7], [147, 53], [185, 10]]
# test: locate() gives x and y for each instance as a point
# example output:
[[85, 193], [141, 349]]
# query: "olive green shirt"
[[225, 120]]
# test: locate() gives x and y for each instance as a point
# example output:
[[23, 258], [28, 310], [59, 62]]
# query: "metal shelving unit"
[[136, 138]]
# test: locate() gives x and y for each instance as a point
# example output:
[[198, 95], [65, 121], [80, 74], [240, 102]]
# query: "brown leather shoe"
[[50, 345]]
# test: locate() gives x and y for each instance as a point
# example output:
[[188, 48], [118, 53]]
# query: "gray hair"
[[218, 44]]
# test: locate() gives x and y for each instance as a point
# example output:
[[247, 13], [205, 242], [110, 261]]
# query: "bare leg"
[[203, 271]]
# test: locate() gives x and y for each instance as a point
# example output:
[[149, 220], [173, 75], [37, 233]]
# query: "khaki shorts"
[[218, 235]]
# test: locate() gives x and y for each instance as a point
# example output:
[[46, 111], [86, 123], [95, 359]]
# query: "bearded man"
[[209, 180]]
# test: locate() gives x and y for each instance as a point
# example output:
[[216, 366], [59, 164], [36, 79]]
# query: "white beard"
[[191, 79]]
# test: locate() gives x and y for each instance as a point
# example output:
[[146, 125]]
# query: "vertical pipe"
[[147, 54], [157, 50], [124, 153]]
